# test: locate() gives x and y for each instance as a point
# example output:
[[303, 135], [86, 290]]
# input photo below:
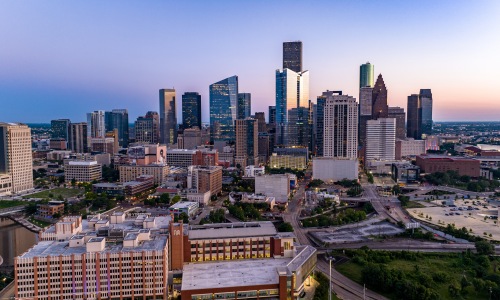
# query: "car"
[[446, 214]]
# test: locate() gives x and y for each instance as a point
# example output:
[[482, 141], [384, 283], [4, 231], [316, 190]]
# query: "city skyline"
[[61, 57]]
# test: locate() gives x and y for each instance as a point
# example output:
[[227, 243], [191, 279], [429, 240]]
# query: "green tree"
[[404, 200], [285, 227], [175, 199], [484, 248]]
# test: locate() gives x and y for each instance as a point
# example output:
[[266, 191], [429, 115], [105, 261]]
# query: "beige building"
[[16, 161], [189, 139], [204, 179], [82, 171], [287, 161], [131, 172]]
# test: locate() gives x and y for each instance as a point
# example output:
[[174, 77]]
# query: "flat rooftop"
[[54, 248], [233, 273], [184, 204], [231, 230]]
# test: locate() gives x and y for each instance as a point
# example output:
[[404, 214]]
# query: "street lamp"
[[330, 259]]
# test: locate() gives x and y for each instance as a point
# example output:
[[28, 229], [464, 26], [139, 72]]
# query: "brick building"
[[441, 163]]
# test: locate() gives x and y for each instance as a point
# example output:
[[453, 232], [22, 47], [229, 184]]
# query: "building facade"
[[292, 56], [131, 172], [61, 129], [412, 126], [247, 145], [82, 171], [426, 122], [205, 179], [340, 135], [223, 109], [398, 113], [147, 128], [440, 163], [381, 139], [78, 141], [244, 105], [366, 75], [379, 99], [118, 119], [189, 138], [335, 169], [409, 147], [96, 126], [191, 110], [168, 117]]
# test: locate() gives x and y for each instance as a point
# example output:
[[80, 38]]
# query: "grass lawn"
[[7, 203], [39, 223], [64, 192], [430, 264], [414, 204]]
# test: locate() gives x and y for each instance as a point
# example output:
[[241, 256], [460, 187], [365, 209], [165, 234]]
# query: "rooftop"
[[82, 163], [183, 204], [231, 230]]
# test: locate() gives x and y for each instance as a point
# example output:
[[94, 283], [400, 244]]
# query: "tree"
[[164, 198], [56, 215], [285, 227], [404, 200], [175, 199], [484, 248]]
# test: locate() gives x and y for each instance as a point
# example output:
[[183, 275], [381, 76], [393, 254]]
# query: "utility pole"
[[330, 289]]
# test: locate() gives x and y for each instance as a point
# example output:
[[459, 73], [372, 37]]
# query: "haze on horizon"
[[63, 59]]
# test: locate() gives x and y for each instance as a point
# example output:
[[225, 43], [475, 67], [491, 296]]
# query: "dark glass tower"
[[320, 124], [168, 117], [223, 109], [191, 110], [118, 119], [425, 112], [272, 115], [292, 56], [413, 111], [366, 75], [379, 99], [398, 113], [244, 105], [61, 129]]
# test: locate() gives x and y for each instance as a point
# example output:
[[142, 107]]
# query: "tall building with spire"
[[366, 72], [380, 108], [223, 109], [292, 56]]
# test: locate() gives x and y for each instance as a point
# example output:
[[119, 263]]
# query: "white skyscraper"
[[340, 133], [16, 162], [381, 139]]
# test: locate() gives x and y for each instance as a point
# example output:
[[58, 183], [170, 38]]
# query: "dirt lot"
[[471, 219]]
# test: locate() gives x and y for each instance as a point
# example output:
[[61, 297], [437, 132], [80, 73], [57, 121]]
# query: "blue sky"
[[65, 58]]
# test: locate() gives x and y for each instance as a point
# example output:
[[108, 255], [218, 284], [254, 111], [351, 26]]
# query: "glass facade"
[[426, 112], [366, 72], [292, 56], [118, 119], [244, 105], [191, 110], [223, 109], [168, 117], [60, 128]]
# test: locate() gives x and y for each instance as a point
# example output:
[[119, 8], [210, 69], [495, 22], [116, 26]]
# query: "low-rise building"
[[47, 210], [440, 163], [335, 169], [409, 148], [82, 171], [130, 172], [405, 172], [287, 161], [128, 189], [202, 198], [275, 185], [184, 157], [187, 207], [252, 171]]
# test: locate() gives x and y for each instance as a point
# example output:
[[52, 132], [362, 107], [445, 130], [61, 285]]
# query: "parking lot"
[[477, 215]]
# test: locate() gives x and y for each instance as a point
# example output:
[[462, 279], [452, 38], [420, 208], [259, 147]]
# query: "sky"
[[62, 59]]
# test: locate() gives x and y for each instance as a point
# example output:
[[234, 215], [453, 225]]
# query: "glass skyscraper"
[[425, 112], [366, 72], [168, 117], [413, 111], [191, 110], [244, 105], [223, 109], [292, 56], [118, 119], [61, 129]]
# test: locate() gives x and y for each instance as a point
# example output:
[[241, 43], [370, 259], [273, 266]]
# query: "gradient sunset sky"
[[62, 59]]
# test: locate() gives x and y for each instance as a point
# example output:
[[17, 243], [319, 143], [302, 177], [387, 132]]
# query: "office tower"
[[168, 117], [365, 111], [264, 143], [244, 105], [319, 124], [60, 129], [78, 137], [96, 127], [366, 72], [191, 110], [247, 145], [340, 137], [190, 138], [299, 127], [223, 109], [16, 162], [292, 56], [292, 91], [147, 128], [398, 113], [425, 112], [379, 99], [381, 139], [413, 122], [272, 116], [261, 121], [118, 119]]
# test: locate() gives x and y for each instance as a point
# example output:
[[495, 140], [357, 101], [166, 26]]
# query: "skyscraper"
[[365, 111], [244, 105], [247, 146], [16, 161], [147, 128], [319, 124], [379, 99], [223, 109], [292, 91], [96, 126], [168, 117], [340, 137], [261, 121], [366, 72], [60, 129], [398, 113], [413, 109], [426, 112], [381, 139], [191, 110], [272, 115], [292, 56], [78, 141], [118, 119]]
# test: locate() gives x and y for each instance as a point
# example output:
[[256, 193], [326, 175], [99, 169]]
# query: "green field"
[[7, 203], [64, 192], [414, 204], [424, 275]]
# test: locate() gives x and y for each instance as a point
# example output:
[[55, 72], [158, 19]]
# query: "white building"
[[202, 198], [252, 171], [187, 207], [409, 147], [82, 171], [276, 185], [335, 169], [16, 161], [381, 139], [340, 134]]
